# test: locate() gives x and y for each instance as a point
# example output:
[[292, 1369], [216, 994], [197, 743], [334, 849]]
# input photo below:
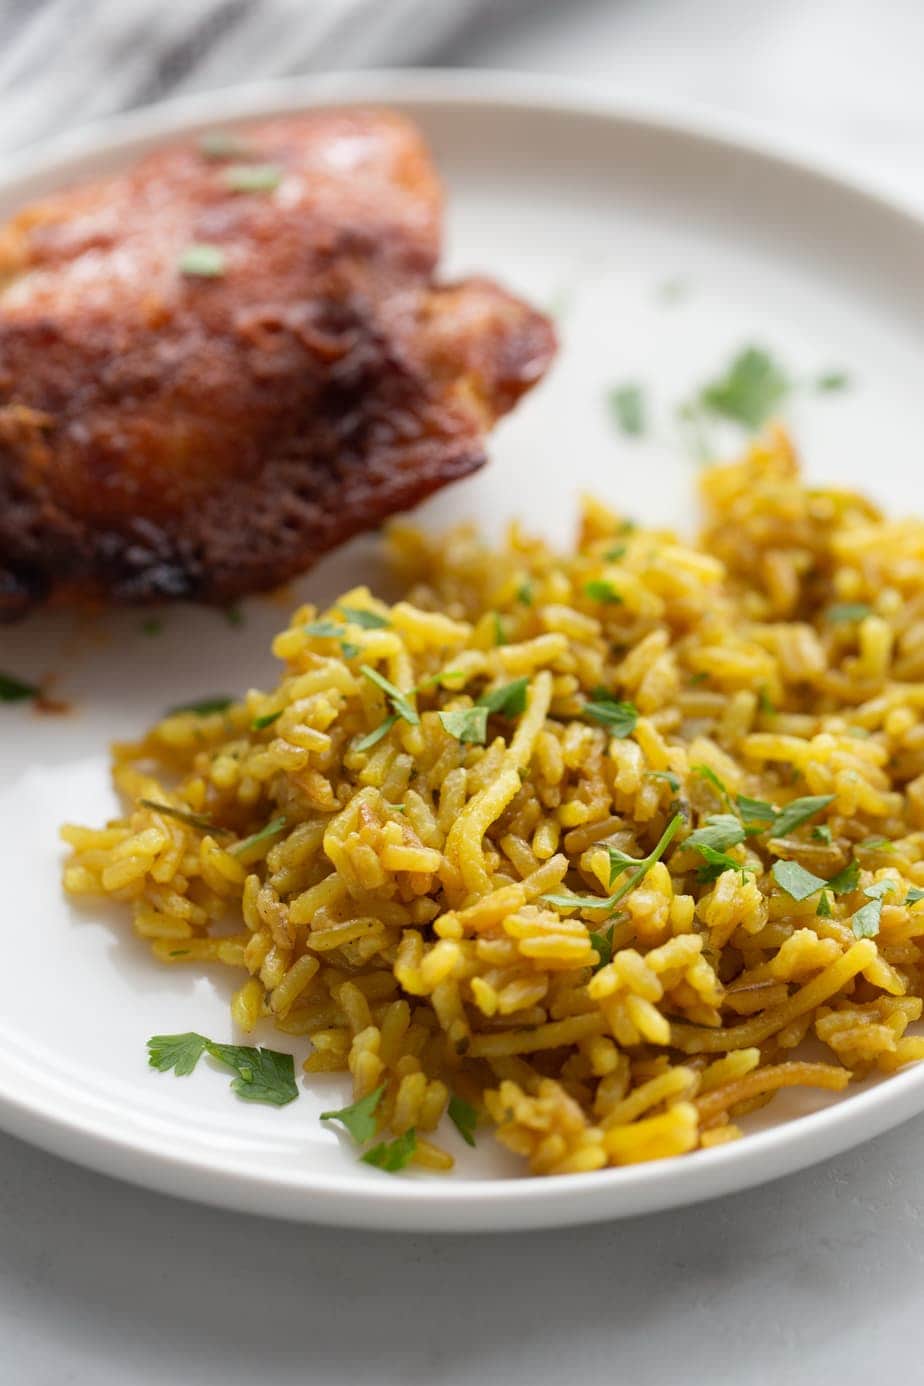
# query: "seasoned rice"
[[395, 916]]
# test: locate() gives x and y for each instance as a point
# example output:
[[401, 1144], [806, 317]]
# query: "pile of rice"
[[397, 916]]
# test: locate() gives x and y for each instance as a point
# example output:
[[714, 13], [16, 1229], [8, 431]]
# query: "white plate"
[[565, 196]]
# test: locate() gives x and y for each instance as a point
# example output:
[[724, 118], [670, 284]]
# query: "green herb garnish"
[[359, 1118], [267, 720], [876, 844], [668, 775], [252, 177], [619, 718], [824, 905], [203, 707], [152, 626], [705, 772], [467, 724], [202, 261], [400, 702], [846, 880], [601, 591], [199, 821], [508, 701], [324, 630], [635, 867], [914, 895], [627, 409], [755, 811], [765, 703], [464, 1117], [614, 554], [822, 834], [832, 380], [368, 620], [14, 690], [375, 736], [500, 637], [720, 831], [717, 862], [794, 814], [392, 1156], [749, 391], [525, 594], [795, 880], [263, 1075], [234, 616], [865, 923], [221, 144], [271, 829], [843, 613]]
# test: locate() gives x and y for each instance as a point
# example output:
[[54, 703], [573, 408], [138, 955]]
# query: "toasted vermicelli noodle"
[[403, 904]]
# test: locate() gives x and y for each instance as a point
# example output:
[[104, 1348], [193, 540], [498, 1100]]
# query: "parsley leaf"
[[525, 594], [200, 821], [876, 844], [755, 810], [271, 829], [620, 719], [635, 867], [14, 690], [252, 177], [219, 702], [716, 862], [795, 880], [234, 616], [464, 1118], [705, 772], [179, 1052], [267, 720], [466, 724], [509, 700], [359, 1118], [720, 830], [392, 1155], [376, 735], [324, 630], [822, 834], [865, 923], [846, 880], [799, 811], [368, 620], [627, 409], [152, 626], [401, 702], [749, 391], [672, 780], [202, 261], [824, 905], [602, 945], [500, 635], [765, 703], [844, 612], [263, 1075], [222, 144], [617, 552], [832, 380], [603, 592], [914, 895]]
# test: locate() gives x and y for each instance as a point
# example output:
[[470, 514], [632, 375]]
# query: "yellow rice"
[[395, 922]]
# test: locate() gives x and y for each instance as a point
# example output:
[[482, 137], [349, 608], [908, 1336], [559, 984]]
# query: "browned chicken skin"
[[165, 434]]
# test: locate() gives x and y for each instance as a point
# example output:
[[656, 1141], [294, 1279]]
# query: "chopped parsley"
[[619, 718], [824, 906], [755, 811], [15, 690], [843, 613], [705, 772], [152, 626], [399, 701], [271, 829], [599, 590], [914, 895], [252, 177], [464, 1118], [202, 261], [876, 844], [822, 834], [324, 630], [846, 880], [667, 775], [203, 707], [509, 700], [617, 552], [720, 831], [525, 594], [750, 390], [267, 720], [359, 616], [635, 868], [234, 616], [359, 1118], [830, 381], [627, 409], [199, 821], [765, 703], [500, 636], [799, 811], [375, 736], [865, 923], [392, 1156], [716, 862], [263, 1075], [795, 880], [467, 724]]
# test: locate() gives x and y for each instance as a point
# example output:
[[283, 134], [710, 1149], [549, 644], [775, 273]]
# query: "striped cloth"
[[66, 62]]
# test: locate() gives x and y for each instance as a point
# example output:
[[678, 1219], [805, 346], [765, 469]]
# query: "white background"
[[817, 1278]]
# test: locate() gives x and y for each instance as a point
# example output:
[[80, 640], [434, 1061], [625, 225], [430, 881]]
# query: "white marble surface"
[[817, 1278]]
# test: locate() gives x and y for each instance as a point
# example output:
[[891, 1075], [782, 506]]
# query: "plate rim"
[[477, 1204]]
